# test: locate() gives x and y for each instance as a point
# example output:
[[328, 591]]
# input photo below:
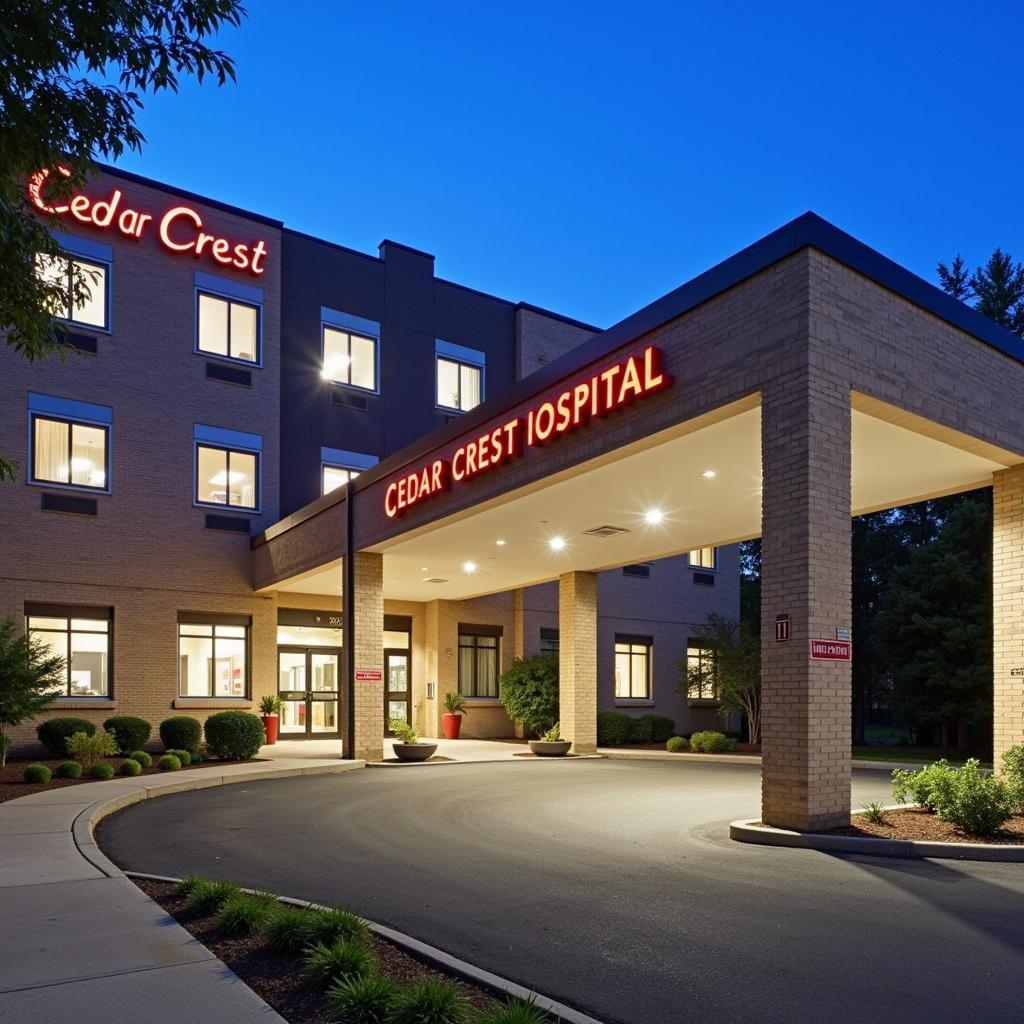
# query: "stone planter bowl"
[[415, 751], [550, 748]]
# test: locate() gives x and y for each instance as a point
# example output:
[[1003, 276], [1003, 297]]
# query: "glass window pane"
[[50, 451], [229, 668], [487, 672], [324, 716], [309, 636], [447, 384], [88, 456], [90, 625], [89, 653], [470, 387], [291, 666], [334, 478], [44, 622], [243, 332], [364, 362], [195, 629], [292, 718], [242, 480], [212, 475], [325, 671], [229, 630], [56, 644], [621, 673], [396, 638], [466, 680], [93, 278], [54, 270], [213, 325], [195, 659], [336, 356]]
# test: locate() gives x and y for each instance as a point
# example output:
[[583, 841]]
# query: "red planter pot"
[[270, 725], [452, 725]]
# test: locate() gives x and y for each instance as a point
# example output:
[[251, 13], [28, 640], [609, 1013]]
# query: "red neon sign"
[[179, 228], [613, 388]]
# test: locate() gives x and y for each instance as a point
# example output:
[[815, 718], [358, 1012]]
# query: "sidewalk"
[[628, 754], [82, 942]]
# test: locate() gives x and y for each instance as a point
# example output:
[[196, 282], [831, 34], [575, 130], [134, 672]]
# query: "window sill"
[[703, 702], [81, 703], [213, 702], [483, 702], [634, 702]]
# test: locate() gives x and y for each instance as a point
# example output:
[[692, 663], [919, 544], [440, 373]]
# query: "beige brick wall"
[[541, 339], [1008, 609], [368, 644], [577, 660]]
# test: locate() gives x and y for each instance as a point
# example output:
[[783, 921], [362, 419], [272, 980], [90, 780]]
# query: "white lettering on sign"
[[781, 628], [830, 650], [369, 675]]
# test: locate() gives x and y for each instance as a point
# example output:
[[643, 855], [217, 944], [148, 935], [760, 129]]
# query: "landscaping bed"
[[919, 824]]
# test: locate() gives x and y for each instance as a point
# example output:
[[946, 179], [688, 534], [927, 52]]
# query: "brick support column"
[[577, 659], [368, 645], [518, 624], [805, 573], [1007, 610]]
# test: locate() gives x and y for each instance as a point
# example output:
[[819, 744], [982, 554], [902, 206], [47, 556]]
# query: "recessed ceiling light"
[[654, 516], [500, 543], [469, 567], [557, 543], [424, 568], [709, 474]]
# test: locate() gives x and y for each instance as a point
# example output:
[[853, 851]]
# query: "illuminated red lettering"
[[630, 387]]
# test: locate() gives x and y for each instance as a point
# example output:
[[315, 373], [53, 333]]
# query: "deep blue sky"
[[589, 157]]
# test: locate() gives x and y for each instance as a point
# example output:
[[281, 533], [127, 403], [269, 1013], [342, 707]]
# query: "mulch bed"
[[280, 980], [12, 785], [918, 824]]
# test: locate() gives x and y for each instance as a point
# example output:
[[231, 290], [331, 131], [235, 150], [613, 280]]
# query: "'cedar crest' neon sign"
[[613, 388], [179, 228]]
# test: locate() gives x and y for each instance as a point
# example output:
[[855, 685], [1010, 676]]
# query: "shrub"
[[732, 745], [676, 744], [55, 733], [925, 787], [206, 896], [182, 755], [288, 930], [187, 884], [69, 770], [529, 692], [613, 728], [874, 812], [639, 730], [181, 733], [515, 1011], [362, 1000], [709, 742], [662, 728], [431, 1002], [129, 733], [37, 773], [234, 735], [329, 926], [976, 803], [1013, 769], [130, 767], [144, 760], [245, 914], [339, 961], [103, 770], [88, 749], [168, 763]]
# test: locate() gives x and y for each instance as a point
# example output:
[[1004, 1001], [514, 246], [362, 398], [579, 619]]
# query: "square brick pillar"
[[577, 659], [1007, 610], [368, 645], [518, 624], [805, 573]]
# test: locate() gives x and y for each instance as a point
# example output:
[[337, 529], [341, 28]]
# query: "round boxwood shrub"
[[131, 767], [129, 733], [662, 728], [69, 770], [233, 735], [182, 755], [529, 692], [103, 770], [181, 733], [675, 744], [709, 742], [168, 763], [613, 728], [144, 760], [54, 734], [37, 773]]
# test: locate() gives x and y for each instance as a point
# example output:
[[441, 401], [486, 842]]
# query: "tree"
[[995, 289], [529, 692], [733, 672], [30, 677], [71, 79]]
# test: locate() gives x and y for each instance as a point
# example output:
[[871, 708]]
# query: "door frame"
[[309, 692], [402, 652]]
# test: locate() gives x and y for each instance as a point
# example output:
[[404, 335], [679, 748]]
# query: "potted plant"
[[454, 709], [551, 744], [408, 746], [270, 708]]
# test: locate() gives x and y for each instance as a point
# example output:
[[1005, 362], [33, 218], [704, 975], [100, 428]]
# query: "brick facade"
[[1008, 609], [577, 660]]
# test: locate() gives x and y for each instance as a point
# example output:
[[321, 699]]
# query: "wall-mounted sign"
[[844, 633], [612, 388], [830, 650], [369, 675], [1018, 671], [781, 628], [179, 228]]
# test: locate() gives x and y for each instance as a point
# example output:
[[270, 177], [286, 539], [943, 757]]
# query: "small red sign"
[[830, 650], [369, 675], [781, 628]]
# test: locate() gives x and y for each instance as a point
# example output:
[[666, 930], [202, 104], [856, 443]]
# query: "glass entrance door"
[[397, 693], [309, 679]]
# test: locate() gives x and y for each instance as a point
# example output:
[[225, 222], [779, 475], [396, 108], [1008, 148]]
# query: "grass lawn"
[[915, 755]]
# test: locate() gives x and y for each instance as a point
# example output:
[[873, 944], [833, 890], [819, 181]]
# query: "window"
[[69, 453], [548, 640], [334, 477], [704, 558], [228, 328], [227, 477], [478, 660], [459, 385], [633, 667], [81, 636], [213, 655], [69, 272], [641, 570], [349, 358], [700, 673]]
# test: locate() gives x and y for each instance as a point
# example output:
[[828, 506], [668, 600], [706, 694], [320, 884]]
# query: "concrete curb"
[[765, 835], [437, 958], [617, 754]]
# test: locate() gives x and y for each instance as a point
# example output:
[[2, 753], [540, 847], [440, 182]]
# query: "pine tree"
[[29, 679], [995, 289]]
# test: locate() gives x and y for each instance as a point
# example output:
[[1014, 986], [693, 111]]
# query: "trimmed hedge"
[[129, 732], [131, 767], [182, 755], [55, 733], [181, 732], [37, 773], [662, 728], [613, 728], [168, 763], [69, 770], [709, 742], [103, 770], [234, 735], [639, 730], [145, 761], [676, 744]]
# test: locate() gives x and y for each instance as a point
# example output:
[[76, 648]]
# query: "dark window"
[[479, 650], [633, 667], [82, 637], [68, 452], [548, 640], [641, 570]]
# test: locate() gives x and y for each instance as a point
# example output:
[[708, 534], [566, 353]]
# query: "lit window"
[[700, 673], [213, 658], [704, 558], [335, 477], [82, 639], [228, 329], [227, 477], [479, 650], [70, 453], [349, 359], [459, 385], [633, 667], [72, 274]]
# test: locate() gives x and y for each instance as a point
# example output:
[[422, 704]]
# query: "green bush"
[[362, 1000], [129, 733], [293, 929], [37, 773], [709, 742], [182, 755], [288, 930], [69, 770], [145, 761], [431, 1002], [676, 744], [245, 914], [926, 787], [339, 961], [207, 896], [662, 728], [88, 749], [732, 744], [613, 728], [55, 733], [976, 803], [639, 730], [187, 884], [131, 767], [234, 735], [181, 733], [168, 763], [102, 770], [515, 1011], [1013, 769], [529, 692]]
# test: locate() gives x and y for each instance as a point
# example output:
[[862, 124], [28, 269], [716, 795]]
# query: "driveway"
[[612, 885]]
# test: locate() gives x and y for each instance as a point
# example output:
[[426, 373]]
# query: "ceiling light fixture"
[[654, 516], [709, 474], [500, 543], [557, 543], [469, 568]]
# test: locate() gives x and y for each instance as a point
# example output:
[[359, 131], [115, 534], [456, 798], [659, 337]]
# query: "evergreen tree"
[[995, 289], [29, 679]]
